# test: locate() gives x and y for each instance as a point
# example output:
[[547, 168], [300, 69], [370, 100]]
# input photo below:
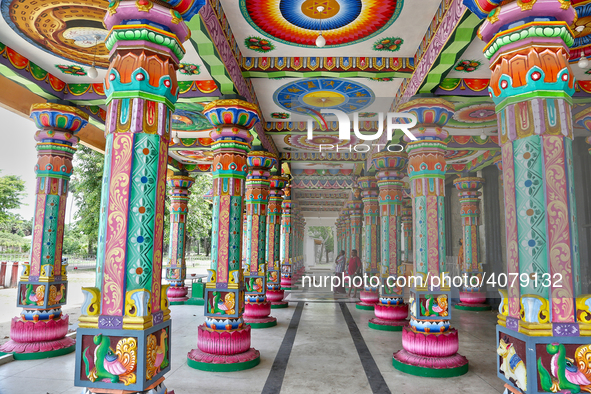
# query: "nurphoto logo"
[[394, 121]]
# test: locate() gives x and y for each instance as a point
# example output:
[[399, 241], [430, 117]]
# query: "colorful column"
[[257, 308], [371, 254], [407, 229], [123, 342], [535, 130], [339, 240], [274, 292], [429, 344], [543, 318], [286, 242], [176, 271], [223, 341], [472, 297], [347, 232], [391, 311], [40, 330]]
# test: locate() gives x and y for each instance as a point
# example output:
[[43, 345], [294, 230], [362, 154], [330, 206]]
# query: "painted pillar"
[[274, 292], [356, 222], [407, 229], [176, 271], [339, 239], [390, 311], [286, 242], [347, 233], [40, 330], [429, 344], [471, 296], [543, 319], [371, 254], [223, 341], [257, 308], [123, 342]]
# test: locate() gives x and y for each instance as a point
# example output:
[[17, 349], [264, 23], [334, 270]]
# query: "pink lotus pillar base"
[[256, 314], [390, 317], [177, 294], [202, 357], [37, 337], [368, 299], [434, 355], [286, 282], [475, 301], [455, 361], [276, 297], [223, 351]]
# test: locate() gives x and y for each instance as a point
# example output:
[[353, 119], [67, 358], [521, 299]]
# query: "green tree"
[[86, 186], [75, 241], [198, 224], [324, 233], [12, 191], [15, 224], [13, 243]]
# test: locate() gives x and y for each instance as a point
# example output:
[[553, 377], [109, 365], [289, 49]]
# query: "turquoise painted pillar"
[[429, 344], [40, 330]]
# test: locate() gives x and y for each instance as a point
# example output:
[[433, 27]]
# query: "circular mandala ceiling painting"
[[69, 29], [297, 22], [323, 93]]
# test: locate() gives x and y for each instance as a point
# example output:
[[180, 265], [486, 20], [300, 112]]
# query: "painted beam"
[[368, 67], [18, 99]]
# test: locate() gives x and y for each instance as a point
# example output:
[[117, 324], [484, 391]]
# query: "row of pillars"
[[543, 316], [123, 339], [127, 310]]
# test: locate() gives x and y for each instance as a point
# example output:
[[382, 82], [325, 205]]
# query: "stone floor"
[[333, 351]]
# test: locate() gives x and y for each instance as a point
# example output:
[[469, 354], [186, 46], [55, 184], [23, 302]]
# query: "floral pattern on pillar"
[[257, 308], [274, 292], [472, 296], [123, 342], [287, 240], [371, 253], [223, 341], [40, 330], [390, 311], [176, 271], [543, 318], [429, 344]]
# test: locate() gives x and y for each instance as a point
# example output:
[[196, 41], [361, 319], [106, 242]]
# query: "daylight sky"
[[18, 157]]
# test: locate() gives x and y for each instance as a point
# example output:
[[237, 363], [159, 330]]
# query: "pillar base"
[[387, 325], [32, 340], [266, 322], [223, 363], [256, 315], [473, 307], [365, 306], [68, 347], [431, 355], [432, 367], [177, 295]]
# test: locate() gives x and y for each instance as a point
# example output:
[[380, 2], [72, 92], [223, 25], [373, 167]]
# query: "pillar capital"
[[430, 111], [369, 186], [52, 117], [231, 112]]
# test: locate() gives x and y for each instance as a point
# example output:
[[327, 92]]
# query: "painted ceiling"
[[378, 53]]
